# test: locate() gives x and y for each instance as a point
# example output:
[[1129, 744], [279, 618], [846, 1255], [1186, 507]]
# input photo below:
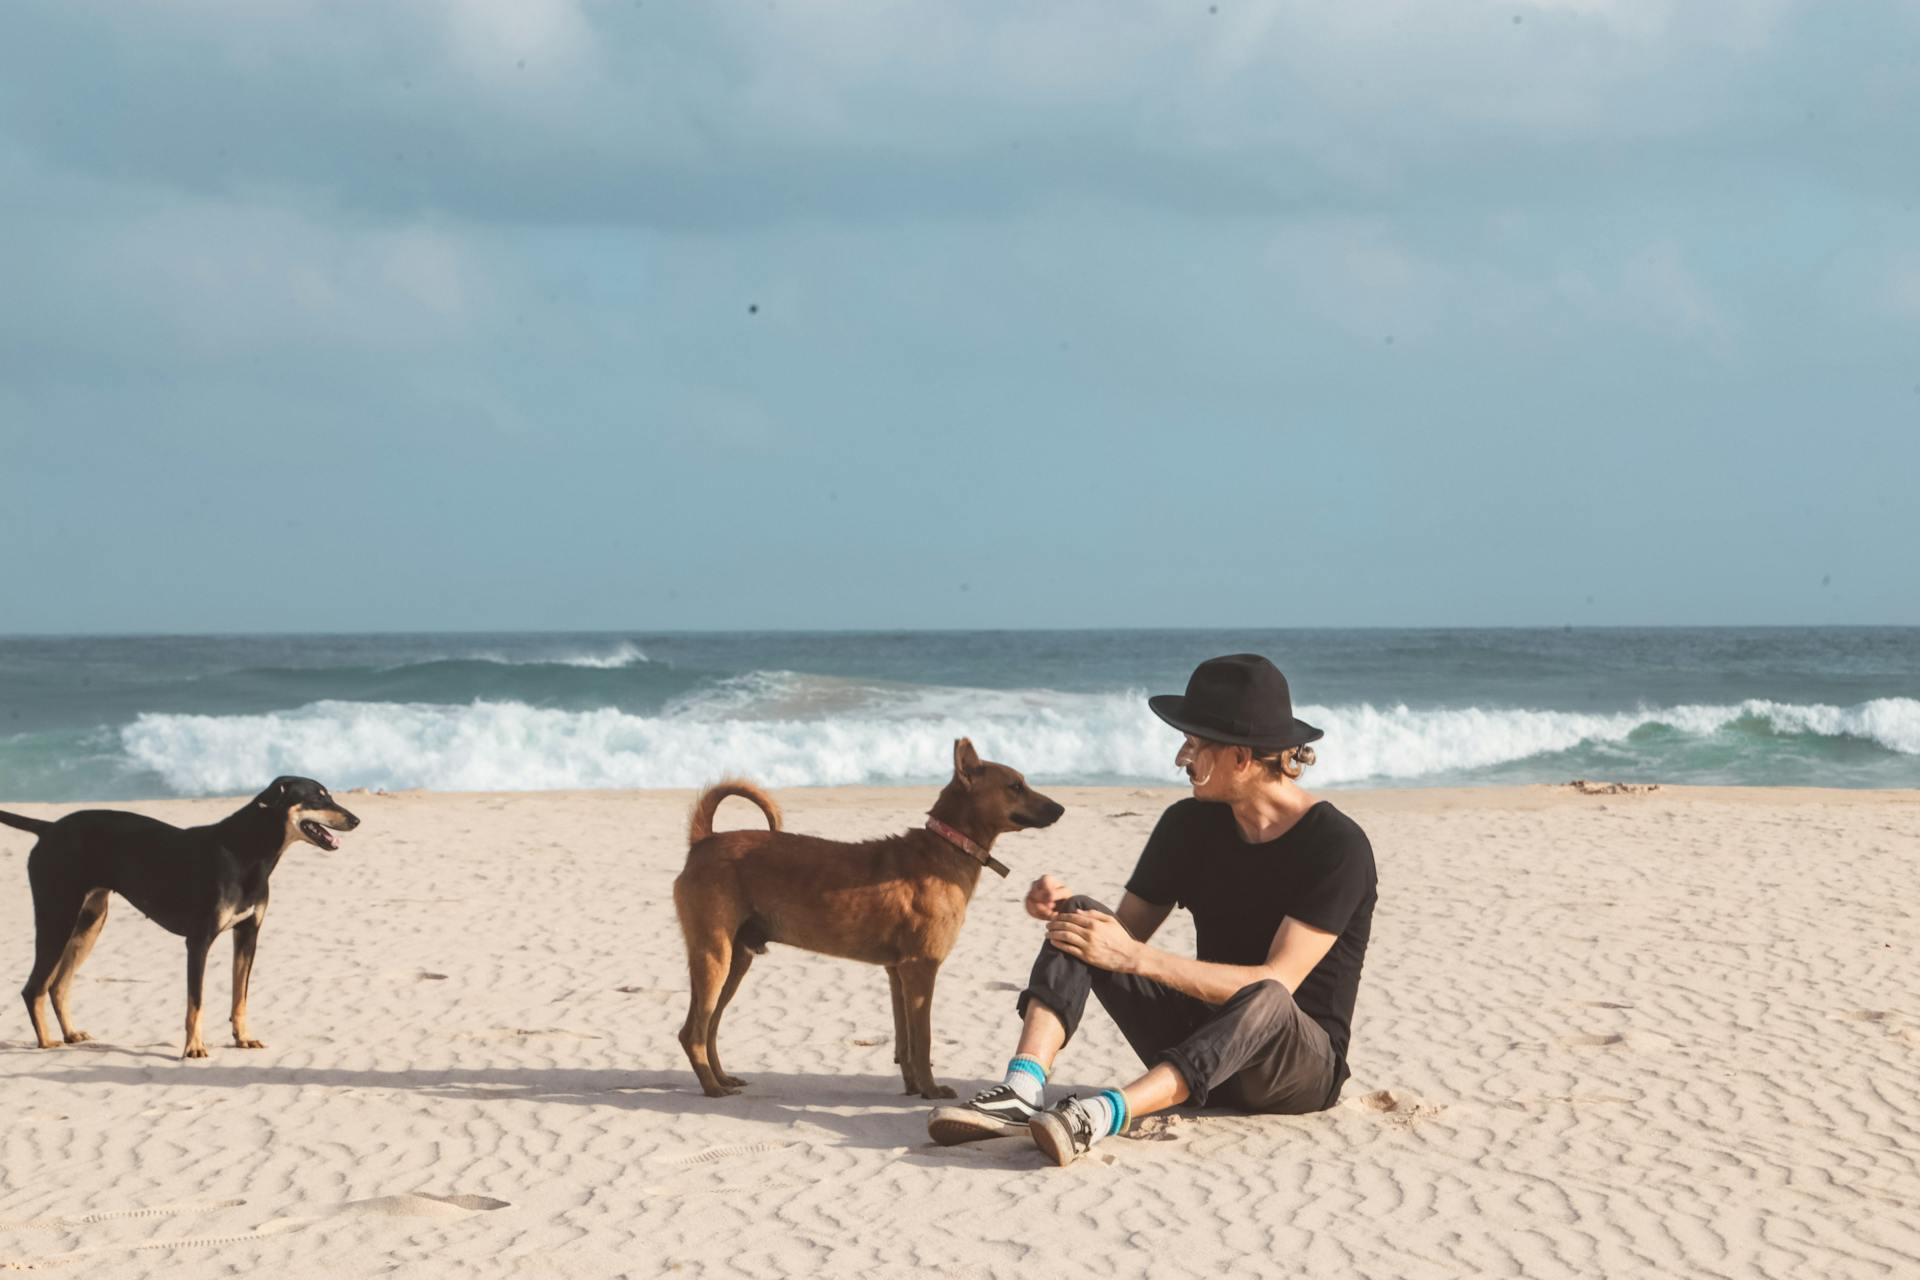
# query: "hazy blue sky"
[[545, 314]]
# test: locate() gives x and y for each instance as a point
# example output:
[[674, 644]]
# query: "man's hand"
[[1097, 938], [1045, 892]]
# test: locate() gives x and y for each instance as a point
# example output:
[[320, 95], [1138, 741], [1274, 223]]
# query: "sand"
[[1673, 1033]]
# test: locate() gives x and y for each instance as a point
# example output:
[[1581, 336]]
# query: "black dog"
[[197, 882]]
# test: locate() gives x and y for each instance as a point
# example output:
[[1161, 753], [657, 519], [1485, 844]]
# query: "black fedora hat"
[[1240, 699]]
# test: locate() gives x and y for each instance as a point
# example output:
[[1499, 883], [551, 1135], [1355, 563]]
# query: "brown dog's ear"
[[966, 761]]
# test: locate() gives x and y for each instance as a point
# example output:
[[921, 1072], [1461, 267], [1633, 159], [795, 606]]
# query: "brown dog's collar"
[[960, 840]]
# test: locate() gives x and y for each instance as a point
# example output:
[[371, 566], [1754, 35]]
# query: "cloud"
[[1658, 282], [1900, 291], [662, 115], [1367, 276], [171, 276]]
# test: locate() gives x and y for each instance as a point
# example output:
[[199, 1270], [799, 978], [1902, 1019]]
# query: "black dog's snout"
[[352, 820]]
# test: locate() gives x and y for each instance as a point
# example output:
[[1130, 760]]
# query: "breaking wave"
[[789, 730]]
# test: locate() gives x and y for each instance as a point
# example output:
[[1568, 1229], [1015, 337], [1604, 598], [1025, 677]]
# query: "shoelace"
[[1079, 1124]]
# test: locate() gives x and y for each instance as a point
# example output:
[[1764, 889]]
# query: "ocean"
[[135, 717]]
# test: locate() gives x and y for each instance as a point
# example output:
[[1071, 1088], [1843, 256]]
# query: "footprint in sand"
[[117, 1215], [413, 1204], [1399, 1104], [1593, 1040], [868, 1042], [1604, 1004], [1866, 1015], [424, 976], [715, 1155], [407, 1205], [528, 1033], [1005, 986], [1157, 1129]]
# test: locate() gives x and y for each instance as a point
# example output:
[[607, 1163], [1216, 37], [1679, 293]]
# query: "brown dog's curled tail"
[[701, 824]]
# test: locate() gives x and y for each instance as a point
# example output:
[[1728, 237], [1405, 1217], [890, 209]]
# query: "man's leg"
[[1151, 1016], [1258, 1051]]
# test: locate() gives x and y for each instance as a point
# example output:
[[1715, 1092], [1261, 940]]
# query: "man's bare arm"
[[1109, 943], [1142, 918]]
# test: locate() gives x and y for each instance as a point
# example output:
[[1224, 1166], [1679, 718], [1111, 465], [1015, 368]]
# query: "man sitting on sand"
[[1281, 887]]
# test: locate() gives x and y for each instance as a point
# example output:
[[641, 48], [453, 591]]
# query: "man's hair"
[[1288, 762]]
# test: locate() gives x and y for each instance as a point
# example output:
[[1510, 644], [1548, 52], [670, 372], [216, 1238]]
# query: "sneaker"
[[998, 1112], [1063, 1131]]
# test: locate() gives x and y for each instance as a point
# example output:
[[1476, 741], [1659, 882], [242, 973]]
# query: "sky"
[[546, 314]]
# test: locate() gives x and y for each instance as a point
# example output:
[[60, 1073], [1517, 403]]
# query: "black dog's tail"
[[38, 826], [700, 825]]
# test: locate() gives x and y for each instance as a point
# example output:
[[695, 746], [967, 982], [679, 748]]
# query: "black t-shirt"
[[1320, 872]]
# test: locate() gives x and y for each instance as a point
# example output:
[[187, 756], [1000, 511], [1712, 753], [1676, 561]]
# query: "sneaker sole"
[[951, 1126], [1049, 1133]]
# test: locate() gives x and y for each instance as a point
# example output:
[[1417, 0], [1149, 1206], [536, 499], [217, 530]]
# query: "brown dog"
[[897, 902]]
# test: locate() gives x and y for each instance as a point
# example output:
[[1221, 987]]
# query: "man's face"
[[1201, 760]]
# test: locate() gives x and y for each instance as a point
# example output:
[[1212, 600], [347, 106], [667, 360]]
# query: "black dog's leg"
[[54, 915], [246, 936], [197, 948], [86, 931]]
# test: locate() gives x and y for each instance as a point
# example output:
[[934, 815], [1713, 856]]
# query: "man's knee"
[[1081, 902], [1267, 999]]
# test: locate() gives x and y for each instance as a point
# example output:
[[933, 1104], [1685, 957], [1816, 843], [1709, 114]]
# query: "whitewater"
[[99, 718]]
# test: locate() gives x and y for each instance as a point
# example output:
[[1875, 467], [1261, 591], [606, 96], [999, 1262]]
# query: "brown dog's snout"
[[1046, 815]]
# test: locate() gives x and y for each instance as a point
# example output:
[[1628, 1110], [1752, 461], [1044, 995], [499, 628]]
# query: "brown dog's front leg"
[[197, 949], [902, 1039], [916, 979]]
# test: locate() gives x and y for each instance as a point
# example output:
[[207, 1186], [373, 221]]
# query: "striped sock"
[[1108, 1111], [1027, 1078]]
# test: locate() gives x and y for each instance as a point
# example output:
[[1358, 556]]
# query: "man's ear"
[[966, 762]]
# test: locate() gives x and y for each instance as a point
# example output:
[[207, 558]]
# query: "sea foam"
[[787, 730]]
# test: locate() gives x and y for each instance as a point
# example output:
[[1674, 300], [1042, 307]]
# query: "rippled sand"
[[1674, 1033]]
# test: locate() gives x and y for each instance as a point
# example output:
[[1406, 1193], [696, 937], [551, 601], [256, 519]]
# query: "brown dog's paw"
[[938, 1091], [720, 1091], [247, 1044], [194, 1051], [51, 1044], [733, 1082], [78, 1037]]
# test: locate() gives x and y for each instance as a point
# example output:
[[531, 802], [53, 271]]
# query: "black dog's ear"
[[966, 761], [275, 790]]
